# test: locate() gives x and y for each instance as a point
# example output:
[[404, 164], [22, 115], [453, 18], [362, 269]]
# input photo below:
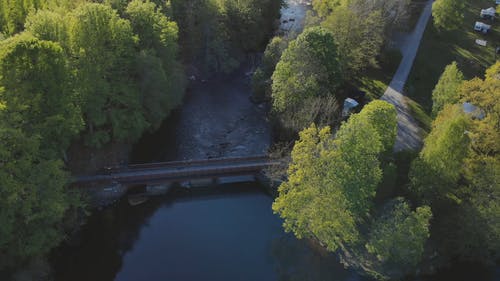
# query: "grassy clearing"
[[376, 79], [438, 49], [422, 117]]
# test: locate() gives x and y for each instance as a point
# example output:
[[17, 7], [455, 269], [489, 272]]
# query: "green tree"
[[161, 79], [460, 161], [34, 85], [48, 25], [32, 197], [383, 117], [359, 37], [331, 182], [325, 7], [448, 14], [311, 206], [308, 68], [219, 33], [447, 90], [478, 234], [102, 45], [261, 80], [397, 239], [435, 173]]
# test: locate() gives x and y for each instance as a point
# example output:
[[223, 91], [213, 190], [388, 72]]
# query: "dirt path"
[[409, 132]]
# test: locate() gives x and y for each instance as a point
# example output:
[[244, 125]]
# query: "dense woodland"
[[107, 71]]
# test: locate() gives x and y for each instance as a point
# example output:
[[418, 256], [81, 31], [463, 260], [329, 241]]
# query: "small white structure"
[[497, 2], [488, 13], [349, 105], [481, 42], [473, 110], [482, 27]]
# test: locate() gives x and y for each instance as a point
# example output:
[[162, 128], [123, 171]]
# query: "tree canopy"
[[448, 14], [408, 232], [338, 174], [330, 190], [309, 67], [457, 172], [39, 117], [447, 90]]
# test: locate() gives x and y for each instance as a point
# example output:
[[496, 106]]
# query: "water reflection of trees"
[[302, 260]]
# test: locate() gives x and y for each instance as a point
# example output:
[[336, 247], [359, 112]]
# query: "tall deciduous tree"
[[331, 182], [447, 90], [460, 161], [102, 46], [359, 37], [397, 239], [435, 173], [261, 80], [32, 197], [309, 67], [34, 86], [161, 78], [448, 14]]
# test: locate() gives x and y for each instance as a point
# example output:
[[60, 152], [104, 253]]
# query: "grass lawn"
[[439, 49], [376, 79]]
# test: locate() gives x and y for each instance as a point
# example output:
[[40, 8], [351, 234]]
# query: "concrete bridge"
[[178, 171]]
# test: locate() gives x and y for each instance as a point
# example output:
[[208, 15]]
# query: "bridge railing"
[[182, 163]]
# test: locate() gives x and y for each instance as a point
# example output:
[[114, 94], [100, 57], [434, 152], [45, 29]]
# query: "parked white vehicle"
[[482, 27], [488, 13]]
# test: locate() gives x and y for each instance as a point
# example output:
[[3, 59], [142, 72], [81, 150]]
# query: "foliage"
[[435, 173], [218, 33], [447, 88], [39, 117], [35, 87], [261, 80], [457, 172], [48, 25], [331, 182], [77, 65], [308, 68], [408, 231], [448, 14], [33, 198], [161, 81], [360, 29], [359, 37], [382, 116]]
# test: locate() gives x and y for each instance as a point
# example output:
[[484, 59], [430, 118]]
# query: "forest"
[[106, 72]]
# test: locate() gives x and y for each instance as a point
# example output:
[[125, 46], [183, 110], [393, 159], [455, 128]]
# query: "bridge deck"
[[180, 170]]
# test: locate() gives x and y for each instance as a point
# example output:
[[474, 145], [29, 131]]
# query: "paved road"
[[409, 132]]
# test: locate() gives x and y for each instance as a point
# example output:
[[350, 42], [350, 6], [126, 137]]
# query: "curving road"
[[409, 132]]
